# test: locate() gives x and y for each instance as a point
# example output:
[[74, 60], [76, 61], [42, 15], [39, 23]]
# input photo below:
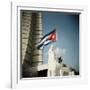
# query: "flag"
[[47, 39]]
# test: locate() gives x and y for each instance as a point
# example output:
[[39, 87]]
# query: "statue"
[[51, 61], [54, 68]]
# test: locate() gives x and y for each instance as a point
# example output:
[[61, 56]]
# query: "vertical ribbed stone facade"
[[31, 34], [36, 29], [25, 30]]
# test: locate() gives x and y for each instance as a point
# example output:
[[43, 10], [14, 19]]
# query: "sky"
[[67, 28]]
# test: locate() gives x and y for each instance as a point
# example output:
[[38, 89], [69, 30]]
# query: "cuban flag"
[[47, 39]]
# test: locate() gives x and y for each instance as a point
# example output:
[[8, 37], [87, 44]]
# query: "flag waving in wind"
[[47, 39]]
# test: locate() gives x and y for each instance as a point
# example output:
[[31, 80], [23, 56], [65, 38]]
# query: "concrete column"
[[71, 73], [37, 35]]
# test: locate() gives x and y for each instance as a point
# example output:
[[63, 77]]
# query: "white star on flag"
[[47, 39]]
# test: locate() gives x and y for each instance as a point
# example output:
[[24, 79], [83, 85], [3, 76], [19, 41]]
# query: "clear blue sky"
[[67, 27]]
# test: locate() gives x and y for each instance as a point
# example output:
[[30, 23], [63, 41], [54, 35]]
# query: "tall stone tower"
[[31, 34], [36, 29]]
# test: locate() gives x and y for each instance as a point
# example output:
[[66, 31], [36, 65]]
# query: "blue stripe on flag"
[[44, 41], [48, 34]]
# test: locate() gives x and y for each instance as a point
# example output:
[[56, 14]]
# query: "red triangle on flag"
[[52, 36]]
